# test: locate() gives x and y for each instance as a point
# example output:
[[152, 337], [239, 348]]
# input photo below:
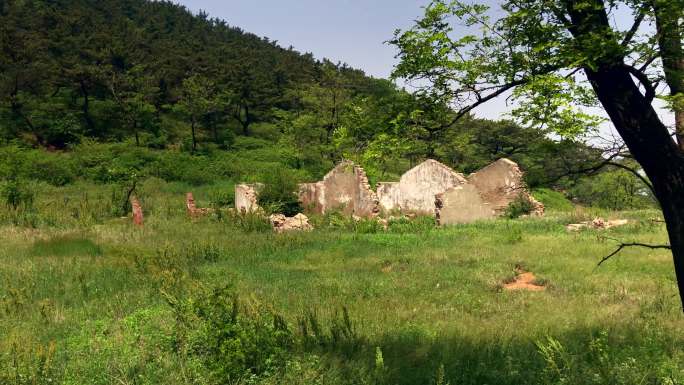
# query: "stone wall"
[[344, 188], [415, 192], [247, 197], [487, 194]]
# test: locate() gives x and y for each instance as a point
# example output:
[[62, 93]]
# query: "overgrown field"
[[87, 298]]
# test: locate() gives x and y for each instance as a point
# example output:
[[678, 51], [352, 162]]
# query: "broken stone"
[[247, 197], [280, 223], [344, 188], [596, 223], [415, 192], [137, 211]]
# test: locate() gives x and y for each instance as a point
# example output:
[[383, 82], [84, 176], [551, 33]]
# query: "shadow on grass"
[[65, 246]]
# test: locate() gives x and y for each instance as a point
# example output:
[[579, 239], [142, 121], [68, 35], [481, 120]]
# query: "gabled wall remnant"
[[461, 204], [344, 188], [431, 188], [415, 192], [487, 194], [247, 197]]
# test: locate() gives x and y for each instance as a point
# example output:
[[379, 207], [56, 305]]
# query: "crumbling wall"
[[344, 188], [487, 194], [416, 190], [247, 197], [461, 204]]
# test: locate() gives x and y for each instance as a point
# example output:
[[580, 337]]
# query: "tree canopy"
[[555, 57]]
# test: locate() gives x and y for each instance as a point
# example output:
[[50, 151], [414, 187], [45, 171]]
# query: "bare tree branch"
[[635, 27], [632, 244], [644, 80]]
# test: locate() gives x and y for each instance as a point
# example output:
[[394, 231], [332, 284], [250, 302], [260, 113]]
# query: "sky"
[[348, 31]]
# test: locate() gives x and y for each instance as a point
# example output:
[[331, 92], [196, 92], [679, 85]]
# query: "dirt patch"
[[524, 280]]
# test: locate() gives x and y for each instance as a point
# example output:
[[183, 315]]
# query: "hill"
[[113, 90]]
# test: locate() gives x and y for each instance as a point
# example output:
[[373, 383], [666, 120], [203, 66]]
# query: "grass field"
[[86, 298]]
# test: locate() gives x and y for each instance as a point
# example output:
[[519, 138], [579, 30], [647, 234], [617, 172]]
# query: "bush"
[[614, 190], [16, 193], [228, 341], [279, 193], [519, 207]]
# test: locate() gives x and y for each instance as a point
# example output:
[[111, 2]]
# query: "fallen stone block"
[[280, 223], [596, 223]]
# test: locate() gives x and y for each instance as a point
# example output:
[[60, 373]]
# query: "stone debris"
[[194, 211], [345, 188], [596, 223], [487, 194], [280, 223], [247, 197], [137, 211], [415, 192]]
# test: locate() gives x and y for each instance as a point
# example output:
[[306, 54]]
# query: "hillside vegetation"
[[118, 90]]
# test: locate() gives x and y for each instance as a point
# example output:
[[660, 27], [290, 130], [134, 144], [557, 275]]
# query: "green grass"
[[85, 296]]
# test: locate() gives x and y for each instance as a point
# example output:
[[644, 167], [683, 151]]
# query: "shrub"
[[229, 341], [519, 207], [279, 191], [17, 193]]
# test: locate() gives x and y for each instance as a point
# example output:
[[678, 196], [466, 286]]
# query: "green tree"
[[133, 91], [197, 100], [555, 56]]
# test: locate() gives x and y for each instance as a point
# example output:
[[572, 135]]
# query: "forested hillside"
[[97, 89]]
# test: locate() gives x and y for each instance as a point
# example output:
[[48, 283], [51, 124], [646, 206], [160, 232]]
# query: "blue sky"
[[349, 31]]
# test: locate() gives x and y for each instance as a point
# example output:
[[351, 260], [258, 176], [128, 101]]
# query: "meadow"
[[88, 298]]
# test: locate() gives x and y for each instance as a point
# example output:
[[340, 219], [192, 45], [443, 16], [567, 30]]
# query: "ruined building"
[[487, 194], [430, 188], [415, 192], [344, 188]]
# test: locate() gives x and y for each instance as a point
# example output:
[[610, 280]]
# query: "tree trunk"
[[668, 13], [673, 214], [245, 123], [637, 122], [649, 141], [135, 130], [194, 139], [86, 107]]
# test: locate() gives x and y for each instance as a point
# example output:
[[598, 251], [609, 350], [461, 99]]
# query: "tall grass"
[[88, 298]]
